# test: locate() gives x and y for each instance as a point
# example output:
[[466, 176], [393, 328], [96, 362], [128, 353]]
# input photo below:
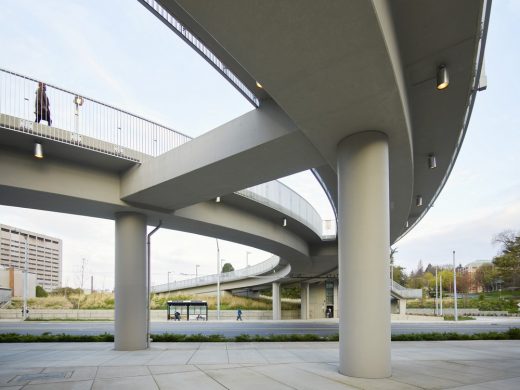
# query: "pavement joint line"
[[193, 354], [213, 379]]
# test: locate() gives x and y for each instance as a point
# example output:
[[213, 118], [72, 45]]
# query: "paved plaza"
[[295, 365]]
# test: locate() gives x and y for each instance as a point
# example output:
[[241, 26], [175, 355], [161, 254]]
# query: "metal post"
[[247, 258], [440, 287], [436, 294], [218, 281], [25, 281], [168, 292], [148, 282], [197, 270], [455, 288]]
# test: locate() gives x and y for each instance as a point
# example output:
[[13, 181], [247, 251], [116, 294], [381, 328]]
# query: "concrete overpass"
[[347, 89]]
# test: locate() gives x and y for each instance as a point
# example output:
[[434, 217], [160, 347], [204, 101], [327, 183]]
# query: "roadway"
[[232, 328]]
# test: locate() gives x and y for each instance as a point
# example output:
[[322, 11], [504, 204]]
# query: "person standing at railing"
[[42, 105]]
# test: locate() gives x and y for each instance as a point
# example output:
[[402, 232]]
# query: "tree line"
[[503, 272]]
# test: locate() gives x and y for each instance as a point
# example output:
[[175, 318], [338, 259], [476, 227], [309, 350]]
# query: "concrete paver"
[[481, 365]]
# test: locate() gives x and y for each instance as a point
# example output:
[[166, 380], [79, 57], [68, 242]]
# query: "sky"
[[119, 53]]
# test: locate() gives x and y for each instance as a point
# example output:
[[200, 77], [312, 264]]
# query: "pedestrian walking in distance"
[[239, 315]]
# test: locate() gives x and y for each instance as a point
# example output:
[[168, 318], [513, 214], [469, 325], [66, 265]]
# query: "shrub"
[[40, 292]]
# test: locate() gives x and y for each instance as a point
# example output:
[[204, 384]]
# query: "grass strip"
[[47, 337]]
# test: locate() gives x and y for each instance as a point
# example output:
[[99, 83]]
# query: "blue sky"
[[117, 52]]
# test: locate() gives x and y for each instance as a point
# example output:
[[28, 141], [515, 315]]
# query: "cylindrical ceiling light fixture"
[[443, 79], [284, 222], [38, 150], [432, 161], [217, 199], [418, 201]]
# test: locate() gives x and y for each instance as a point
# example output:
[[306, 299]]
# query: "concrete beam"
[[257, 147]]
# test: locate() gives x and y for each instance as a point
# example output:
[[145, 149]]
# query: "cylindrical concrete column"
[[130, 282], [304, 293], [364, 247], [277, 302]]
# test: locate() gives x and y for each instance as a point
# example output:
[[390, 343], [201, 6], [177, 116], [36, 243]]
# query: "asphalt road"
[[231, 329]]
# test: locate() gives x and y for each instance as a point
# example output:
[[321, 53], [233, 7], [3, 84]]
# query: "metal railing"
[[252, 271], [278, 196], [76, 119], [200, 48]]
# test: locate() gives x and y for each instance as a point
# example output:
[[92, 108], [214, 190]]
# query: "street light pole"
[[169, 272], [149, 280], [218, 280], [247, 258], [455, 288], [197, 270]]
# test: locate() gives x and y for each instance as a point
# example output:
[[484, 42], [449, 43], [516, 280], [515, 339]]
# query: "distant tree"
[[508, 262], [430, 268], [486, 277], [420, 270], [40, 292], [400, 275], [227, 267], [463, 282], [393, 251]]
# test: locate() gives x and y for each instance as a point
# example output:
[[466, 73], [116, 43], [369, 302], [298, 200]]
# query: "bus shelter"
[[187, 309]]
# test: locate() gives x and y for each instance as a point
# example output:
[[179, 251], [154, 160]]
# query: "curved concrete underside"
[[343, 67], [50, 184]]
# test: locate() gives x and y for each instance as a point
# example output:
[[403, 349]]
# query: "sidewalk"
[[427, 365]]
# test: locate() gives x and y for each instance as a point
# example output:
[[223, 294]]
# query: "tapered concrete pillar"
[[304, 307], [364, 247], [130, 282], [277, 302]]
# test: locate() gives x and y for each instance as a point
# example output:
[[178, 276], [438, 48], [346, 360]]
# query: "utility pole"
[[455, 288], [247, 258], [91, 284]]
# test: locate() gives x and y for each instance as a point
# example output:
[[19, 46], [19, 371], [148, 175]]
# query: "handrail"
[[196, 44], [81, 121], [254, 270], [279, 196]]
